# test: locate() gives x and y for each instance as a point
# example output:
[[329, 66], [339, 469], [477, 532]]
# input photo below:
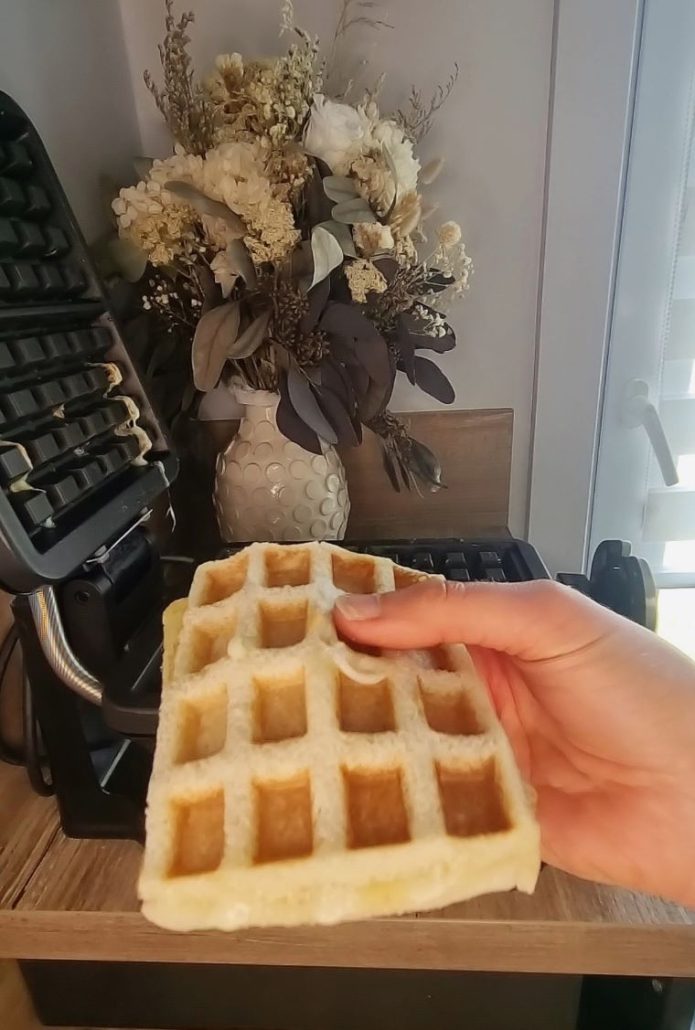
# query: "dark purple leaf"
[[425, 464], [334, 376], [305, 404], [416, 326], [338, 416], [406, 350], [438, 344], [360, 379], [373, 401], [349, 321], [318, 298], [318, 205], [390, 468], [388, 267], [344, 352], [405, 472], [432, 380], [290, 424], [434, 282], [350, 325]]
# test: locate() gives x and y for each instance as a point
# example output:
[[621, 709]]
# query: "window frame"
[[595, 55]]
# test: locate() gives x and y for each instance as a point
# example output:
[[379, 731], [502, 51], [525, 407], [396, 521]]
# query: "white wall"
[[65, 63], [493, 134]]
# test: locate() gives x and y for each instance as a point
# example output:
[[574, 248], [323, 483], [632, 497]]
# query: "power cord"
[[33, 761], [31, 758], [7, 752]]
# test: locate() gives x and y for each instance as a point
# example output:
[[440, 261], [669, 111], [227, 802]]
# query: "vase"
[[269, 488]]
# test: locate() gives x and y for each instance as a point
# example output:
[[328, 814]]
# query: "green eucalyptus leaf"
[[205, 206], [248, 342], [350, 212], [342, 234], [240, 262], [327, 254], [340, 188], [129, 259], [214, 335], [307, 407]]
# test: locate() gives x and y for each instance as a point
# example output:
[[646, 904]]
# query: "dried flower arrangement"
[[281, 239]]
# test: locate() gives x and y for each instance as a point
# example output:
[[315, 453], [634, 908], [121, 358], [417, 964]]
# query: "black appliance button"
[[13, 464], [5, 287], [110, 461], [19, 404], [38, 206], [80, 341], [88, 475], [69, 436], [23, 281], [56, 242], [129, 448], [50, 280], [12, 198], [101, 337], [30, 239], [75, 385], [55, 346], [458, 575], [6, 359], [495, 576], [94, 423], [114, 413], [63, 491], [73, 278], [43, 448], [423, 561], [9, 244], [33, 508], [490, 559], [455, 560], [49, 395], [97, 379], [16, 160], [27, 351]]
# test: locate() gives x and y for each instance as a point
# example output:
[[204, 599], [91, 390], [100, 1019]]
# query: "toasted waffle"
[[297, 780]]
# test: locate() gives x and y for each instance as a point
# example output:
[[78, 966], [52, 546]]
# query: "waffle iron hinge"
[[107, 620]]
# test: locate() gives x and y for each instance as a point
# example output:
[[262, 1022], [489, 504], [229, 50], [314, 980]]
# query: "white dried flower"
[[336, 133], [372, 237], [449, 234], [225, 275], [386, 135]]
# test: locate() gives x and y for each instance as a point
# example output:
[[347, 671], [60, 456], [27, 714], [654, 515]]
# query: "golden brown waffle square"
[[297, 780]]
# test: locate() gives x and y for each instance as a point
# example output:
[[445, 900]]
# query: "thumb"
[[535, 620]]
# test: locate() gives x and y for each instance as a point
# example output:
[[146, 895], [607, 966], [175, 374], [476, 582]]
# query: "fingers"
[[528, 620]]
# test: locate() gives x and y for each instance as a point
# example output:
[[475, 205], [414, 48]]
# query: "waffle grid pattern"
[[284, 752]]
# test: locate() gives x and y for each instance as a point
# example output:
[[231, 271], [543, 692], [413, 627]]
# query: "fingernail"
[[359, 606]]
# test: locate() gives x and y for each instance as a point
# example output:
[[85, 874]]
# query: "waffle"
[[297, 780]]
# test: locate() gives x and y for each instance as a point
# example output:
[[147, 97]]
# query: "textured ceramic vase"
[[269, 488]]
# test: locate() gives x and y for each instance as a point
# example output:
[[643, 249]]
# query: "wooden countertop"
[[75, 899]]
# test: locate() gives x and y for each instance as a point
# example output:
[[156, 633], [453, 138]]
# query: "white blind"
[[651, 351], [669, 516]]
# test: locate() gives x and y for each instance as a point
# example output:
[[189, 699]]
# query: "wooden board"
[[475, 449], [73, 899]]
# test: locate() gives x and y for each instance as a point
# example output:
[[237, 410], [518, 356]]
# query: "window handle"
[[638, 410]]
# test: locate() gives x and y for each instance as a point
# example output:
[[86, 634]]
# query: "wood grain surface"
[[70, 899], [475, 449], [74, 899]]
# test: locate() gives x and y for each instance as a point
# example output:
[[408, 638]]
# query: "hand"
[[600, 714]]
